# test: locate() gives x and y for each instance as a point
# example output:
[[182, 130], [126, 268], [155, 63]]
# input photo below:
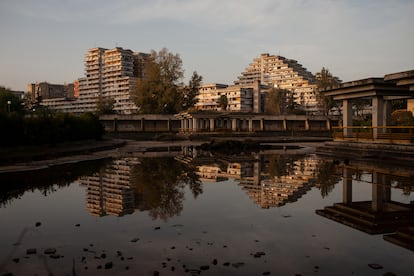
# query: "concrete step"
[[406, 233], [404, 237], [365, 221]]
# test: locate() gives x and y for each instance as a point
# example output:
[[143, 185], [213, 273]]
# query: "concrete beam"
[[367, 88]]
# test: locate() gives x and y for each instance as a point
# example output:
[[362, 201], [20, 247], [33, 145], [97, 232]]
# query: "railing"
[[384, 134]]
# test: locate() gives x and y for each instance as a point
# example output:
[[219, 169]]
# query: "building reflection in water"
[[110, 190], [131, 183], [156, 184], [270, 180], [382, 214], [274, 190]]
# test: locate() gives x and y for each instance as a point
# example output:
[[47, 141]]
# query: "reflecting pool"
[[190, 212]]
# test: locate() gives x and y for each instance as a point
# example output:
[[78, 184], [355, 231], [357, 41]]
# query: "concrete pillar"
[[307, 124], [211, 124], [257, 169], [115, 126], [234, 124], [243, 125], [347, 186], [377, 115], [142, 124], [200, 124], [204, 124], [387, 188], [195, 125], [386, 113], [328, 124], [187, 124], [250, 125], [377, 204], [347, 117]]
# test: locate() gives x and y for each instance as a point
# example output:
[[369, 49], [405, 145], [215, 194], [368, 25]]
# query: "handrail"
[[367, 127], [383, 134]]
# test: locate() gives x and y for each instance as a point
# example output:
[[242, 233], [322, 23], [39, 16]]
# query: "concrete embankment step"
[[404, 237], [369, 222], [367, 151]]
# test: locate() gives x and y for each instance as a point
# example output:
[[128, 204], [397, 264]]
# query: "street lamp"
[[8, 106]]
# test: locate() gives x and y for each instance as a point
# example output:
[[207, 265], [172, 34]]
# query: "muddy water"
[[196, 213]]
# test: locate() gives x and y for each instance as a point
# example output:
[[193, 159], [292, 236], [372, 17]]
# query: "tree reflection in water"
[[279, 165], [326, 177], [47, 181], [159, 186]]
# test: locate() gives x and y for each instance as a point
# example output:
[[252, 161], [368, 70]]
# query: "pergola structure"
[[212, 121], [380, 90]]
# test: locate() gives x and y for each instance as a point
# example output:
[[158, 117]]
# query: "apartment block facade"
[[110, 73], [240, 98], [280, 72], [44, 90]]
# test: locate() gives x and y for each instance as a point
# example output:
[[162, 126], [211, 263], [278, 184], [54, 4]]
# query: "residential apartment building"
[[283, 73], [43, 90], [240, 98], [109, 73]]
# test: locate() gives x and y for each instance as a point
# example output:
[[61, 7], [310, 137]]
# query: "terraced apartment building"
[[280, 72]]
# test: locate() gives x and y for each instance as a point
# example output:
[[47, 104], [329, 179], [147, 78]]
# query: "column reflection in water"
[[382, 214]]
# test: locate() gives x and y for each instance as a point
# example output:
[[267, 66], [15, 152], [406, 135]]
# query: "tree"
[[105, 105], [223, 102], [289, 105], [190, 91], [272, 102], [324, 80], [160, 91], [171, 66], [159, 185], [10, 103], [279, 101], [326, 177]]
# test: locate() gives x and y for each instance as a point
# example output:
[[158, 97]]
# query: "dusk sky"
[[46, 40]]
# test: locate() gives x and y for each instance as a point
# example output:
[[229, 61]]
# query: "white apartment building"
[[239, 98], [109, 73], [283, 73]]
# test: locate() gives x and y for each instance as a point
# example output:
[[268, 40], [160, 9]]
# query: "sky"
[[46, 40]]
